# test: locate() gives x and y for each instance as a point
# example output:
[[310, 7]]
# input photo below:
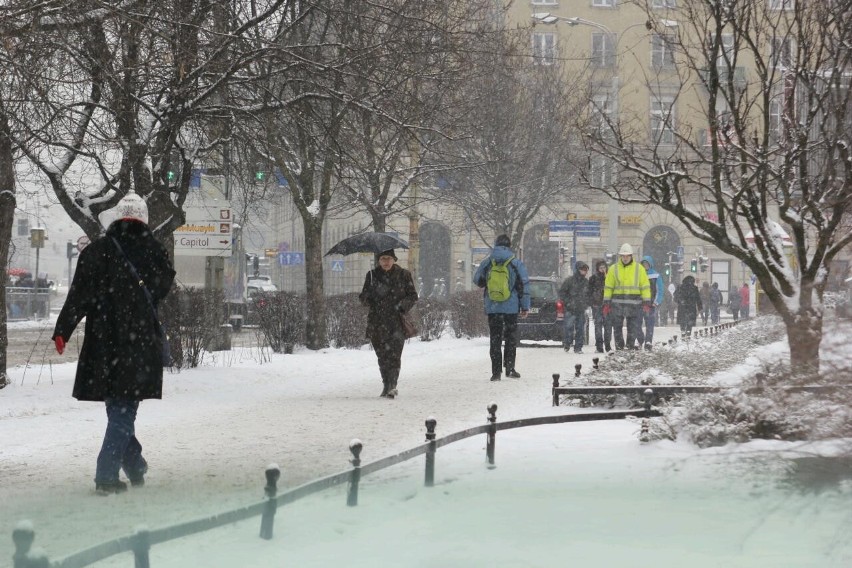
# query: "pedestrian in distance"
[[649, 317], [627, 293], [574, 294], [120, 280], [745, 297], [389, 293], [603, 327], [715, 303], [705, 303], [506, 293], [688, 300], [734, 302], [672, 288]]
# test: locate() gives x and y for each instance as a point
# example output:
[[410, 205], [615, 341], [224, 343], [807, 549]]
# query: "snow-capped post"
[[553, 390], [142, 547], [430, 451], [577, 369], [649, 398], [273, 473], [492, 435], [25, 556], [595, 363], [355, 446]]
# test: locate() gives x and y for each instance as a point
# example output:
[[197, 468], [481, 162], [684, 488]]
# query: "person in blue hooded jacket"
[[649, 317], [503, 316]]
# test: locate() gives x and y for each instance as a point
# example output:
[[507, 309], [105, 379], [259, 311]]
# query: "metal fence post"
[[273, 473], [596, 363], [142, 548], [355, 446], [577, 368], [24, 557], [492, 435], [555, 384], [430, 451]]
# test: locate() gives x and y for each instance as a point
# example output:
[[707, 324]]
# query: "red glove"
[[60, 344], [606, 309], [646, 308]]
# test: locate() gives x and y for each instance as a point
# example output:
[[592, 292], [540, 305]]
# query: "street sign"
[[207, 231], [680, 254], [585, 230], [337, 266], [291, 258]]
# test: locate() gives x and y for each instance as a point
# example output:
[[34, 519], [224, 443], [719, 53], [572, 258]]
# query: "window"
[[23, 227], [782, 52], [601, 111], [726, 51], [603, 3], [601, 176], [663, 4], [544, 2], [603, 50], [782, 4], [662, 55], [775, 110], [663, 119], [544, 47]]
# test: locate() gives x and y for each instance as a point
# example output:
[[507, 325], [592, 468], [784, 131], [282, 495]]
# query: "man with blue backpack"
[[506, 287]]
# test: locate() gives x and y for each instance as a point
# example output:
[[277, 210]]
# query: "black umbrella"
[[367, 242]]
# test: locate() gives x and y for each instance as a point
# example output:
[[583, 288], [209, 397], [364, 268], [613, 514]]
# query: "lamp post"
[[547, 18]]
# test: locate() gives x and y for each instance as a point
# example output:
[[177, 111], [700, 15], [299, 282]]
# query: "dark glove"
[[646, 308], [607, 308], [60, 344]]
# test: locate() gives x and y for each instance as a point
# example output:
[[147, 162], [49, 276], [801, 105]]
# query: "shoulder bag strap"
[[136, 276]]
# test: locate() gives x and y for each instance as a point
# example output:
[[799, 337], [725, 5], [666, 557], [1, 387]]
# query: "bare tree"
[[516, 157], [755, 132]]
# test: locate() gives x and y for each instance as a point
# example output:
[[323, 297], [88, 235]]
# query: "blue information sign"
[[291, 258]]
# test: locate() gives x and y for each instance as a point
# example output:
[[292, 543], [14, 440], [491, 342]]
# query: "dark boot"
[[385, 389], [392, 392], [110, 487]]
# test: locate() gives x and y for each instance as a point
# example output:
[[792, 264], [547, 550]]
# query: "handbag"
[[159, 329], [409, 330]]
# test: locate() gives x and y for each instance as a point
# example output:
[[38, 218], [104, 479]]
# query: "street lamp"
[[548, 18]]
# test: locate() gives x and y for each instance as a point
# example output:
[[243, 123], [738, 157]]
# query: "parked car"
[[544, 322]]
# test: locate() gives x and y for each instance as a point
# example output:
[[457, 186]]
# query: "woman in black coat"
[[389, 292], [121, 359], [688, 300]]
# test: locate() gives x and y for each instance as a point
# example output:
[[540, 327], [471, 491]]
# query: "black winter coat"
[[387, 294], [121, 353], [688, 300], [574, 293], [596, 289]]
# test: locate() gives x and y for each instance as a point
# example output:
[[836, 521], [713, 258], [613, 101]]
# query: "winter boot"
[[385, 389], [110, 487], [392, 392]]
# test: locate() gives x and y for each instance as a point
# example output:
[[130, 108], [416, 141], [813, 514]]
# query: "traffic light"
[[259, 173], [693, 265], [71, 250], [703, 263], [174, 167], [668, 269], [609, 258]]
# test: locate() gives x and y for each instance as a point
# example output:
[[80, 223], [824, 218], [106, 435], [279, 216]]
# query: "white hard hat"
[[626, 249]]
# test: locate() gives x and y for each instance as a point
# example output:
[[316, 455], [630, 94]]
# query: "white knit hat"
[[132, 206]]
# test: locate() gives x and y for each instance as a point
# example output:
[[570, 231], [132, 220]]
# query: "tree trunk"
[[316, 333], [804, 335], [7, 213]]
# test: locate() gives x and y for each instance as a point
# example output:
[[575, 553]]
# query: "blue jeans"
[[120, 447], [574, 330], [649, 319]]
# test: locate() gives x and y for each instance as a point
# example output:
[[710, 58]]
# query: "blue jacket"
[[516, 270], [654, 278]]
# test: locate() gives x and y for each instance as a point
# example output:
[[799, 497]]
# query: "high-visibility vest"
[[627, 284]]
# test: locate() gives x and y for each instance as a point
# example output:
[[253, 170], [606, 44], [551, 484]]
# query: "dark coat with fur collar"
[[120, 357], [387, 294]]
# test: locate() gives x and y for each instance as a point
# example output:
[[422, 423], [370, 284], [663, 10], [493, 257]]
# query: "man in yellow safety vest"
[[627, 291]]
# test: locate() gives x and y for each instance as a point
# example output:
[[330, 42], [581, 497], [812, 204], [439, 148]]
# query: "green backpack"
[[497, 282]]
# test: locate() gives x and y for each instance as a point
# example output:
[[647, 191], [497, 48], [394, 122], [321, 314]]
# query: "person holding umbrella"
[[389, 293]]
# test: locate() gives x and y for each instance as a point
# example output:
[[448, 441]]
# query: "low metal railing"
[[26, 303], [142, 540]]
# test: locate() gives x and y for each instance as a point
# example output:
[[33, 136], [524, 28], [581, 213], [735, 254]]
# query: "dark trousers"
[[389, 352], [625, 314], [120, 448], [600, 327], [500, 327]]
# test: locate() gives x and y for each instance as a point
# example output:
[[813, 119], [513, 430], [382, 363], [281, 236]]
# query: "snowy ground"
[[588, 493]]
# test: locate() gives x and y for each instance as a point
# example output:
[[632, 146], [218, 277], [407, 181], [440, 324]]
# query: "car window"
[[543, 290]]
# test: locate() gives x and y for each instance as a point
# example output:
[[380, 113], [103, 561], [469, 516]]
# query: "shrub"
[[467, 315], [192, 317], [431, 317], [347, 321], [280, 319]]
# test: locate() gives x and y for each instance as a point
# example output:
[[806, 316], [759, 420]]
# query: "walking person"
[[389, 293], [744, 301], [734, 301], [627, 293], [672, 288], [649, 317], [120, 361], [574, 294], [688, 300], [705, 302], [715, 303], [603, 327], [506, 292]]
